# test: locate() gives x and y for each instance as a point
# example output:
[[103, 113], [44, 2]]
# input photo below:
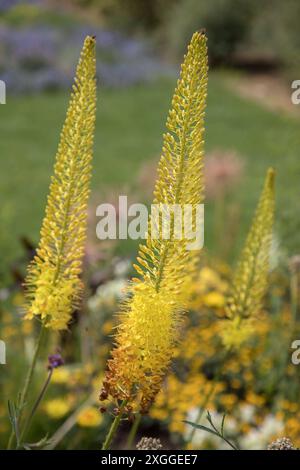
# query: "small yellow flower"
[[214, 299], [245, 428], [159, 414], [57, 408], [293, 425], [61, 375], [228, 400], [90, 417], [255, 399]]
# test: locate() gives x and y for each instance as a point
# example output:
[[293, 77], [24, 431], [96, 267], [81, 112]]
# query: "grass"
[[129, 128]]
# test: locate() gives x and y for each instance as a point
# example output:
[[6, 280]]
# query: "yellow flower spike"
[[148, 331], [53, 281], [251, 278]]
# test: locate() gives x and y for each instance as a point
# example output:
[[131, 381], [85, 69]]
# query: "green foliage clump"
[[226, 23]]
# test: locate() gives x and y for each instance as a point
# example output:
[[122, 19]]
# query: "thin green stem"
[[27, 384], [35, 406], [133, 431], [113, 428], [230, 443]]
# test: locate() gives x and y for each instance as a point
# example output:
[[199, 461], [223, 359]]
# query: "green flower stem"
[[24, 394], [114, 426], [35, 406], [133, 431]]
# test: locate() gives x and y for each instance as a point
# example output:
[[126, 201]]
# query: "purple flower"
[[54, 361]]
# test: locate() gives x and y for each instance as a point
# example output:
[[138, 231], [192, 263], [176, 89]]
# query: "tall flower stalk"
[[250, 280], [53, 284], [53, 281], [150, 319], [249, 285]]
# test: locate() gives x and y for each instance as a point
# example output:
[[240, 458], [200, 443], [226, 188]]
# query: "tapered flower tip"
[[198, 35], [90, 40], [89, 45], [271, 177], [88, 48], [198, 40]]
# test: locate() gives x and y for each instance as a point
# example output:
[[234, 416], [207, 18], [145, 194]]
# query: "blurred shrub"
[[277, 32], [21, 14], [132, 14], [227, 22], [266, 28], [142, 13]]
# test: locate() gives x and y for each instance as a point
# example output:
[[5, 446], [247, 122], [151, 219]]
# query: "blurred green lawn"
[[129, 128]]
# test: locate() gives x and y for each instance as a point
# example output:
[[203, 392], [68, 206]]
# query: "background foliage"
[[251, 124]]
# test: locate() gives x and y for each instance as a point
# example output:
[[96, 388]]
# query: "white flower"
[[122, 267], [247, 413], [107, 294], [258, 439]]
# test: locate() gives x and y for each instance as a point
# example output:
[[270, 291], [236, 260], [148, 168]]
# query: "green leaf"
[[222, 424], [203, 428], [13, 417], [36, 445]]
